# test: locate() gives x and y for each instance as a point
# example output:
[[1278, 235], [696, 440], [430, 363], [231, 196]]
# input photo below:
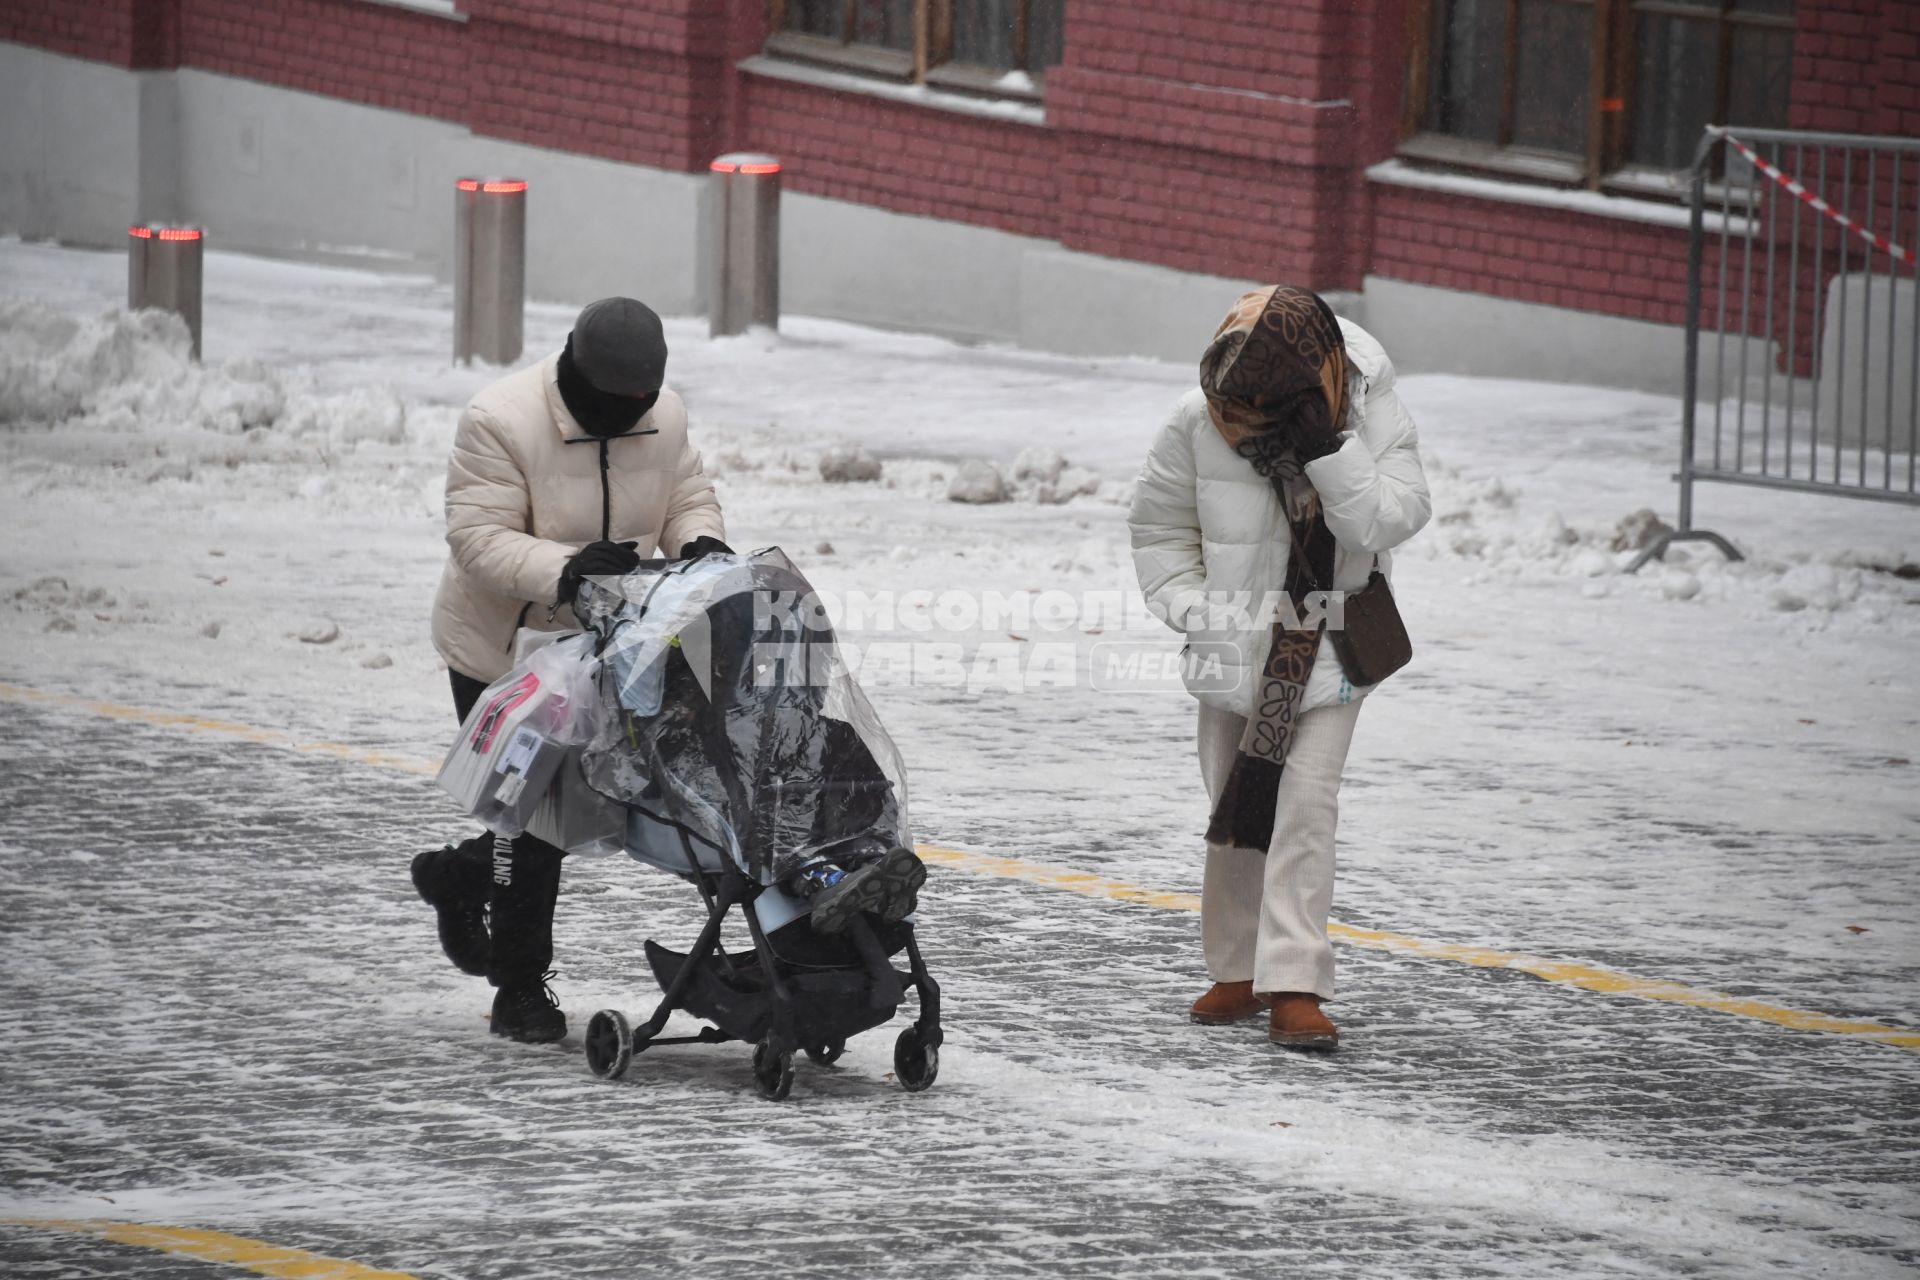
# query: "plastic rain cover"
[[736, 718]]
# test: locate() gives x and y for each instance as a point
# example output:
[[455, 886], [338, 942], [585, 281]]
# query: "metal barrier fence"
[[1803, 319]]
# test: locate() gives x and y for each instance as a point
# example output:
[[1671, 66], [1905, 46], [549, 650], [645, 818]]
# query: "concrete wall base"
[[1431, 330]]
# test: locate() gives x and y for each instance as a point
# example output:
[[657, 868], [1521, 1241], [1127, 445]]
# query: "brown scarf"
[[1277, 361]]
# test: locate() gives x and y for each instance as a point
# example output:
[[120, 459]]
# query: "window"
[[987, 46], [1581, 91]]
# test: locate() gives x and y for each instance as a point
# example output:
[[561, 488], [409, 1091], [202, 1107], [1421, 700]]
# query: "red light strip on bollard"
[[1880, 242], [166, 233], [144, 233], [491, 188], [758, 169], [755, 170]]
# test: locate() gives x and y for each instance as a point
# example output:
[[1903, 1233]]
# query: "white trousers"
[[1265, 918]]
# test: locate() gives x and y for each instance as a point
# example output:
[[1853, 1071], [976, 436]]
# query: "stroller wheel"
[[609, 1044], [915, 1062], [827, 1054], [772, 1070]]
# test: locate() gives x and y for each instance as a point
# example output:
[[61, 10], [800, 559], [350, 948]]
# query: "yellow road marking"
[[216, 1246], [1566, 973], [220, 728]]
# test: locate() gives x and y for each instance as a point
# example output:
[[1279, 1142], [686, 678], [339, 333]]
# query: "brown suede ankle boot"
[[1227, 1002], [1297, 1023]]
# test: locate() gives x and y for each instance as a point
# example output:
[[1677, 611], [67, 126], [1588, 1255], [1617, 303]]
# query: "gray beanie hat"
[[619, 347]]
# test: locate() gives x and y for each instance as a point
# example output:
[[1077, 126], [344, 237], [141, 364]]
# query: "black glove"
[[1315, 434], [596, 559], [704, 545]]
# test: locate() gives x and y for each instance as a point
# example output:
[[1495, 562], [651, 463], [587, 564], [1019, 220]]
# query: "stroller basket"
[[828, 1006]]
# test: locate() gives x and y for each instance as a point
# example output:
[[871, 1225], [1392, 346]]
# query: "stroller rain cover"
[[732, 716]]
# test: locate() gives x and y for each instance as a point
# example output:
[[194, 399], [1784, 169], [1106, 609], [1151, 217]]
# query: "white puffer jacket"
[[527, 487], [1206, 525]]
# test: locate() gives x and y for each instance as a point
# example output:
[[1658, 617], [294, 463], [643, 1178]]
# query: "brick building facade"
[[1180, 134]]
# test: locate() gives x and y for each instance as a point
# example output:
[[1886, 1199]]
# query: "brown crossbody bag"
[[1373, 643]]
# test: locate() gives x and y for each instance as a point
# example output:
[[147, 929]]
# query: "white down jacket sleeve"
[[1164, 521], [488, 511], [694, 508], [1373, 490]]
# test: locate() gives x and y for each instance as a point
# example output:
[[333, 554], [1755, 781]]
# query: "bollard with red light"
[[163, 271], [489, 269], [745, 243]]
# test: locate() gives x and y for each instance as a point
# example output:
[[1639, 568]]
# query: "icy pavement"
[[229, 1010]]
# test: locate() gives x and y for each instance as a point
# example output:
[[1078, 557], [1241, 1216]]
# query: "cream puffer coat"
[[527, 487], [1206, 526]]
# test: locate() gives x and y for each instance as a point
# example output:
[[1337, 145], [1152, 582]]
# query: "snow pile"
[[848, 464], [1039, 464], [54, 367], [978, 482], [1038, 474], [1044, 475], [1488, 520], [130, 373]]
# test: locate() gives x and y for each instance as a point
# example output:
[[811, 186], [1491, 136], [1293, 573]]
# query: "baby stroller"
[[744, 755]]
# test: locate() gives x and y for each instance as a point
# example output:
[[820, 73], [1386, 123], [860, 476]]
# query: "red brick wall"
[[584, 95], [376, 54], [1295, 50], [907, 158], [1531, 254], [1833, 41], [101, 31], [1896, 71], [684, 27], [1204, 135], [1203, 211]]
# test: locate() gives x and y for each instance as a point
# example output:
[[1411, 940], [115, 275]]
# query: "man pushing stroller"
[[562, 472]]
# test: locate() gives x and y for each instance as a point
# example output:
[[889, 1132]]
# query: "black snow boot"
[[525, 1010], [453, 881], [888, 887]]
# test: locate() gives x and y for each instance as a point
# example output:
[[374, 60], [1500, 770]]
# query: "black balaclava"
[[613, 366], [599, 413]]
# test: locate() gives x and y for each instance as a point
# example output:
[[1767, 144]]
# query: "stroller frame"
[[780, 1016]]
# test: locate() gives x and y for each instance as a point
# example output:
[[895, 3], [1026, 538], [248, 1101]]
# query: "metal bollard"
[[745, 243], [163, 271], [489, 269]]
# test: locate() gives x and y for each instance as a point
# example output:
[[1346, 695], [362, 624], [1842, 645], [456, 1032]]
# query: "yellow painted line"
[[215, 1246], [1566, 973], [219, 728]]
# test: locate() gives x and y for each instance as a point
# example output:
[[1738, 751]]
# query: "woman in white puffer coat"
[[1295, 438], [573, 467]]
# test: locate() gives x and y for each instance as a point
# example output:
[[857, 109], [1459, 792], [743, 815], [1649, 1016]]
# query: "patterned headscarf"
[[1278, 357]]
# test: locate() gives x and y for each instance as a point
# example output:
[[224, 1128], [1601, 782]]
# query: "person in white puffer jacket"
[[1295, 438], [573, 467]]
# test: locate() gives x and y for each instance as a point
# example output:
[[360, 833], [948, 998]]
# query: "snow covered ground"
[[231, 1013]]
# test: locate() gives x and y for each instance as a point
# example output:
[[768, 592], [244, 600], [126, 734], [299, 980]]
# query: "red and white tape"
[[1878, 241]]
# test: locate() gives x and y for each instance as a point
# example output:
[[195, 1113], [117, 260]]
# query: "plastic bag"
[[521, 729]]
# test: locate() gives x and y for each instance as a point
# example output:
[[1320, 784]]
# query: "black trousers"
[[519, 879]]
